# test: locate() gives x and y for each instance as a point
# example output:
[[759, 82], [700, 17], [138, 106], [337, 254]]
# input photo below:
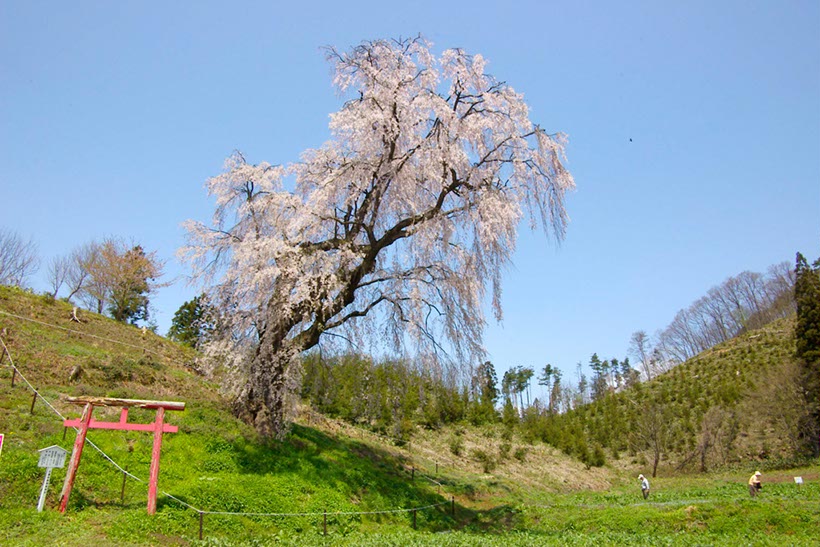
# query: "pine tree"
[[807, 333], [192, 323]]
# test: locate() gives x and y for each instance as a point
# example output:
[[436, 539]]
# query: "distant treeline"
[[696, 415], [747, 301], [390, 396]]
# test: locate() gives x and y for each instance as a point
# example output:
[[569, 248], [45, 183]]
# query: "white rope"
[[82, 333], [188, 505]]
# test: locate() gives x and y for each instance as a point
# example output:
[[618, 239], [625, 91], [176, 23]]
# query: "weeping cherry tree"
[[395, 230]]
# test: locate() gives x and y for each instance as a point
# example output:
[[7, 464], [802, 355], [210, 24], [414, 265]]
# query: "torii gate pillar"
[[86, 422]]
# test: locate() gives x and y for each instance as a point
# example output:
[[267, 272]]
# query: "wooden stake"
[[325, 524], [453, 506], [201, 514], [414, 519], [122, 492], [13, 375], [33, 400]]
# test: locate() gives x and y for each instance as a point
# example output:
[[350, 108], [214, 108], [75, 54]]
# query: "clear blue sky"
[[694, 136]]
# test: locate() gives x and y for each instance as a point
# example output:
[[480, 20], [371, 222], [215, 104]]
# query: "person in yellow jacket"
[[754, 484]]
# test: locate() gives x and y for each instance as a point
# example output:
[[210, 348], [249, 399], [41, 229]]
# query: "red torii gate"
[[86, 422]]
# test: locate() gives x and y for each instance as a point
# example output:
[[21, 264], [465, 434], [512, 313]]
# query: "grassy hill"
[[734, 403], [247, 492]]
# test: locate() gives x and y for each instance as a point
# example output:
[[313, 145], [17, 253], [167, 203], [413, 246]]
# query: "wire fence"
[[200, 511]]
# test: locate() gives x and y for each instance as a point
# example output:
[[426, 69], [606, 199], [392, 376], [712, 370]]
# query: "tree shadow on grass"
[[374, 478]]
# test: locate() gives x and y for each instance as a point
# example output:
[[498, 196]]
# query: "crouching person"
[[754, 484]]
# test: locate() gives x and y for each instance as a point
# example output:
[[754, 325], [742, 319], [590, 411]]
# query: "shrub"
[[504, 451], [487, 461], [456, 444]]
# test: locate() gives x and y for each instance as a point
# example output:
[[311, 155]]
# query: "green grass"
[[217, 464]]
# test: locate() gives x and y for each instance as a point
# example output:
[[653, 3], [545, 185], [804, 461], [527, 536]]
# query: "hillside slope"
[[215, 466], [736, 402]]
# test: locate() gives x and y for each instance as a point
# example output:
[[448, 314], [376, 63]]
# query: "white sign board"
[[53, 456], [798, 480]]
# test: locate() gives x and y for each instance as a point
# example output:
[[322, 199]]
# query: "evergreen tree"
[[555, 392], [546, 380], [485, 389], [599, 376], [509, 386], [192, 323], [523, 377], [807, 332]]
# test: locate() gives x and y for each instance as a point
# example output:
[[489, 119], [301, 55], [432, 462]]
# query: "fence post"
[[436, 468], [324, 526], [13, 375], [453, 506], [33, 400], [65, 430], [414, 519], [201, 514], [122, 492], [412, 470]]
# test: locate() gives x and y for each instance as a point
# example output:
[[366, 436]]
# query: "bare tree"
[[652, 430], [120, 276], [78, 276], [742, 302], [395, 229], [59, 269], [18, 259], [641, 348], [111, 275]]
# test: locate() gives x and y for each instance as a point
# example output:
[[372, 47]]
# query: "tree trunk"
[[262, 401]]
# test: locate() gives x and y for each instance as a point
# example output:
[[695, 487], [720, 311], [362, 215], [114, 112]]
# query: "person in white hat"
[[754, 484], [644, 486]]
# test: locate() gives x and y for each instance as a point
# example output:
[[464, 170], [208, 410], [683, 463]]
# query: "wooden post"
[[13, 375], [453, 506], [33, 400], [414, 519], [122, 492], [65, 430], [76, 454], [325, 523], [200, 524], [436, 468], [153, 473], [413, 473]]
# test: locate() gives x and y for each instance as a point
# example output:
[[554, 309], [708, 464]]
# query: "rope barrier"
[[395, 440], [335, 513], [170, 496], [84, 333]]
